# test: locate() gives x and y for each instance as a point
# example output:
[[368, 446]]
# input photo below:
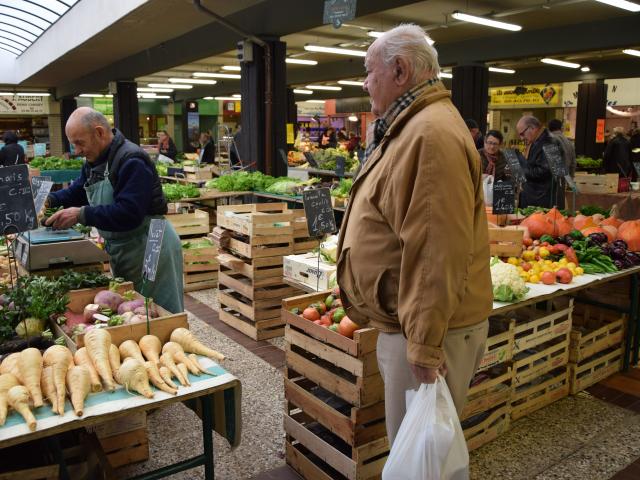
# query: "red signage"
[[600, 130]]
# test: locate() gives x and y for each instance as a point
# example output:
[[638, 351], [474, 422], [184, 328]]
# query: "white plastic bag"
[[487, 189], [430, 444]]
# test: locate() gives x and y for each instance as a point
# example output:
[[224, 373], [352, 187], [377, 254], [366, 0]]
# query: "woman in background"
[[493, 160], [12, 153], [166, 146]]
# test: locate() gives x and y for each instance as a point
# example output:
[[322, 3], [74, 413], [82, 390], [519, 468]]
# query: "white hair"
[[408, 41]]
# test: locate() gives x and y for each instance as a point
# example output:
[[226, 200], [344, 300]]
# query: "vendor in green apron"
[[119, 192]]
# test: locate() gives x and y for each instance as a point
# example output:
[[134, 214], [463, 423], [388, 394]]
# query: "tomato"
[[325, 321], [548, 278], [527, 242], [311, 314], [526, 266], [564, 275], [347, 327], [571, 255]]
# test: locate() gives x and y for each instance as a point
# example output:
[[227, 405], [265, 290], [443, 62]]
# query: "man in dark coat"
[[540, 189], [617, 155], [12, 153]]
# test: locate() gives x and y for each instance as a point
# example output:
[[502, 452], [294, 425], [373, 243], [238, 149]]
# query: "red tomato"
[[347, 327], [311, 313], [526, 266], [548, 278], [564, 275]]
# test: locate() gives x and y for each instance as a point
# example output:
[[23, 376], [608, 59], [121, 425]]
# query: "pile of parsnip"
[[28, 377]]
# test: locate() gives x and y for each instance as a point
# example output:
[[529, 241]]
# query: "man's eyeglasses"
[[521, 134], [492, 144]]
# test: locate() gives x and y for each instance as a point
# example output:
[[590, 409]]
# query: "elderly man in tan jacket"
[[414, 254]]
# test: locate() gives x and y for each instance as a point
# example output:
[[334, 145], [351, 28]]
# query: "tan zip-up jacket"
[[413, 249]]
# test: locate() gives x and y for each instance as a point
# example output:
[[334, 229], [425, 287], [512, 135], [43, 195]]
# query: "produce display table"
[[61, 176], [216, 399]]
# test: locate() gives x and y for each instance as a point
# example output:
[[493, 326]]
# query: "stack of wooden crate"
[[335, 418], [302, 242], [596, 347], [251, 288]]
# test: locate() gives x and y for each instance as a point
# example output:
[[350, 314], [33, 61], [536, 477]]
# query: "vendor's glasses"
[[521, 134]]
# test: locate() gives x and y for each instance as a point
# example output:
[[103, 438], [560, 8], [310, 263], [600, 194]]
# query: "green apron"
[[126, 250]]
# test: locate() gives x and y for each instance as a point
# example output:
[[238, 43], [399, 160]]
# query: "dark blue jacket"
[[540, 189]]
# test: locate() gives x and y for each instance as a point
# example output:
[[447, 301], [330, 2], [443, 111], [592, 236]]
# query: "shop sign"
[[103, 105], [39, 149], [290, 136], [310, 109], [600, 130], [237, 106], [336, 12], [623, 91], [12, 104], [548, 95], [570, 94]]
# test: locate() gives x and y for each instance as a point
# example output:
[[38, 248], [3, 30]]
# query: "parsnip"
[[18, 398], [30, 367], [81, 357], [7, 381], [165, 374], [194, 359], [175, 350], [133, 376], [10, 365], [184, 371], [151, 347], [167, 361], [49, 388], [114, 359], [79, 385], [191, 344], [156, 379], [129, 348], [97, 342], [61, 360]]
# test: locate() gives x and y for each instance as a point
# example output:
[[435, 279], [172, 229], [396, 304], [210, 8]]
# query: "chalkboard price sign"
[[504, 197], [36, 181], [43, 193], [310, 159], [319, 212], [340, 166], [152, 250], [556, 162], [514, 165], [17, 211]]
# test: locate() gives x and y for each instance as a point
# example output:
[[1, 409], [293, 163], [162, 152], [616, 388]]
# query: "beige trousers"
[[463, 348]]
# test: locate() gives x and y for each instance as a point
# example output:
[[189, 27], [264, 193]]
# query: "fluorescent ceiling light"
[[152, 95], [6, 94], [91, 95], [301, 61], [207, 98], [337, 51], [487, 22], [324, 87], [352, 118], [109, 95], [216, 75], [302, 91], [631, 51], [315, 101], [199, 81], [632, 7], [446, 75], [351, 82], [232, 99], [560, 63], [155, 90], [585, 69], [236, 95], [501, 70], [170, 85], [233, 68], [375, 34], [32, 94]]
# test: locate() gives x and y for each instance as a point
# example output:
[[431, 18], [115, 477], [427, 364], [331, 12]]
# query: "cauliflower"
[[508, 286]]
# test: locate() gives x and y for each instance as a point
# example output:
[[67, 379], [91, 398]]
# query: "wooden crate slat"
[[256, 222], [248, 308], [304, 466], [495, 425], [537, 396], [537, 327], [203, 285], [506, 241], [591, 371], [489, 394], [255, 268], [194, 277], [258, 330], [606, 330], [499, 348], [531, 366]]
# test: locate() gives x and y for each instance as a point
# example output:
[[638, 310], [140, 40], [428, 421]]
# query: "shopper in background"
[[328, 138], [119, 192], [493, 161], [12, 153], [540, 189], [422, 276], [555, 129], [634, 142], [166, 146], [207, 148], [474, 130], [354, 142], [234, 154], [617, 155]]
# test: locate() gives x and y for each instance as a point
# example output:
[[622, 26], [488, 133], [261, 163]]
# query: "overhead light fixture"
[[336, 50], [501, 70], [91, 95], [109, 95], [232, 68], [170, 85], [352, 118], [207, 98], [560, 63], [33, 94], [324, 87], [230, 99], [301, 61], [199, 81], [631, 51], [236, 95], [216, 75], [151, 96], [155, 90], [315, 101], [585, 69], [351, 82], [630, 6], [6, 94], [446, 75], [487, 22], [376, 34], [302, 91]]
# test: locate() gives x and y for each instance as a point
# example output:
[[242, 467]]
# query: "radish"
[[91, 310]]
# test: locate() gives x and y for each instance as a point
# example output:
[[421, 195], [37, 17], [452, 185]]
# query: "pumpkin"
[[613, 221], [612, 232], [630, 232], [589, 230], [538, 224], [560, 224], [582, 221]]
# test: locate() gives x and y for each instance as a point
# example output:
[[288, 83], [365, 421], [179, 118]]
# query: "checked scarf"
[[380, 126]]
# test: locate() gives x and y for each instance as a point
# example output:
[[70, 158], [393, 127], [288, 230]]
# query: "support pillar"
[[67, 106], [292, 113], [125, 110], [254, 145], [190, 126], [470, 93], [592, 106]]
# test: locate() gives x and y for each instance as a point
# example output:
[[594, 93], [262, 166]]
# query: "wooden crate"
[[302, 241], [542, 359], [589, 183], [530, 397], [194, 172], [594, 329], [126, 448], [346, 367], [262, 219], [200, 268], [594, 369], [482, 432], [506, 241], [490, 393], [200, 281], [534, 326], [188, 224], [499, 348]]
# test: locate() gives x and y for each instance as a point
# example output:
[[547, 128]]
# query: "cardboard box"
[[304, 269]]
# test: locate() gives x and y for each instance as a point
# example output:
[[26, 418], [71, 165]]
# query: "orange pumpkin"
[[630, 232], [581, 222], [613, 221], [589, 230], [612, 232], [538, 224]]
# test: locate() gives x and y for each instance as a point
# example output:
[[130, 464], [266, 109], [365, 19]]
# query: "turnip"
[[98, 317], [90, 310], [153, 312], [108, 299], [130, 306]]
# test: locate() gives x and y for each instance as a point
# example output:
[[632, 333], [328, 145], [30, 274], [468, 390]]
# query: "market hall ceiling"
[[170, 38]]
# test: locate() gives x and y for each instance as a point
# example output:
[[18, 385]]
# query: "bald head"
[[89, 132]]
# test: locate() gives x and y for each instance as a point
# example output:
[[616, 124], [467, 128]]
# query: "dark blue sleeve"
[[131, 199], [74, 196]]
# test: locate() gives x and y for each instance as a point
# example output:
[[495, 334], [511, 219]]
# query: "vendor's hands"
[[62, 219], [428, 375]]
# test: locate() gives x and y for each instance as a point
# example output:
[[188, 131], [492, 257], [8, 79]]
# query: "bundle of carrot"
[[29, 377]]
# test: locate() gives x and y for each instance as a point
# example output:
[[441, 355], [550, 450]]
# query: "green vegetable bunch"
[[176, 191], [589, 163], [343, 188], [56, 163], [71, 280]]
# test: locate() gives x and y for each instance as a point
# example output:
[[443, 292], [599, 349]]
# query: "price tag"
[[319, 212], [17, 210], [504, 197], [36, 181], [310, 159], [340, 166], [514, 165], [152, 250], [43, 193], [556, 163]]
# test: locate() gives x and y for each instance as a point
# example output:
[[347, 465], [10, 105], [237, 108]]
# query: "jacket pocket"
[[349, 291], [386, 293]]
